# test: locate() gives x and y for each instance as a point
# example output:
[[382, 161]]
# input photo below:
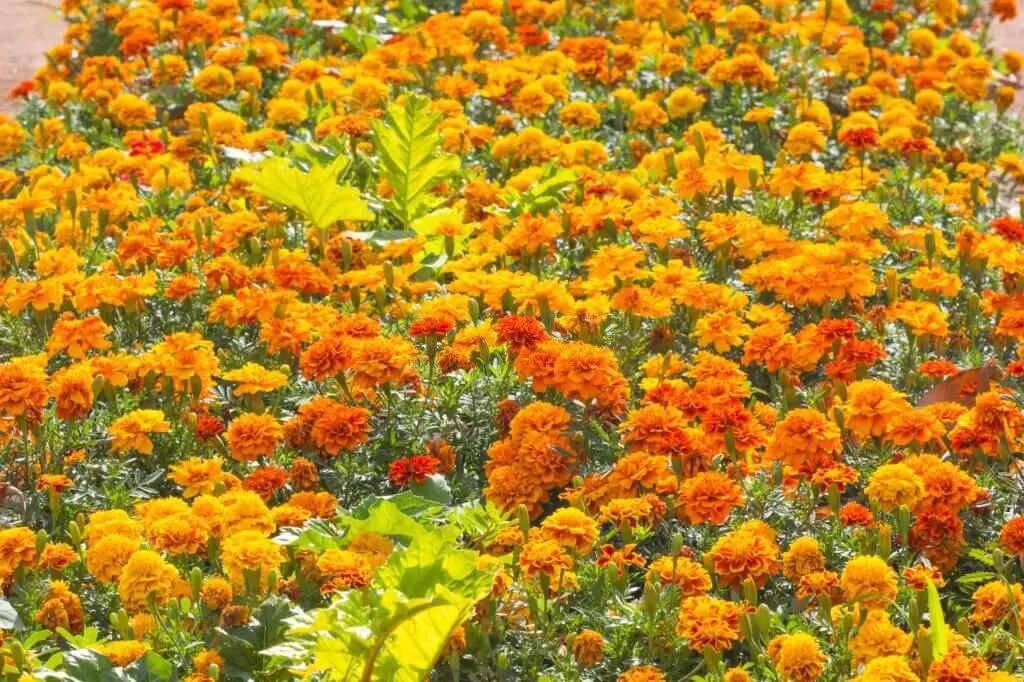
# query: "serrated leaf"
[[397, 628], [411, 159], [314, 193]]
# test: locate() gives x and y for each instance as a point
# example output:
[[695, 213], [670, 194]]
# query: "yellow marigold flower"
[[250, 551], [131, 432], [252, 379], [198, 476], [803, 556], [892, 486], [216, 593], [571, 528], [214, 81], [580, 115], [804, 138], [800, 658], [888, 669], [684, 101], [123, 652], [869, 581], [146, 576], [878, 637], [131, 111]]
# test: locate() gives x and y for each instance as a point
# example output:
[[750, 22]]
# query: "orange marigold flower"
[[415, 469], [131, 432], [340, 427], [747, 552], [343, 569], [709, 622], [588, 648], [709, 497], [544, 557], [691, 578], [197, 476], [251, 436], [1012, 536], [803, 556]]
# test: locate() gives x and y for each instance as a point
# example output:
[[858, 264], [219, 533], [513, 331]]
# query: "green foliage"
[[242, 645], [88, 665], [9, 619], [315, 192], [545, 194], [411, 159], [940, 644], [398, 627]]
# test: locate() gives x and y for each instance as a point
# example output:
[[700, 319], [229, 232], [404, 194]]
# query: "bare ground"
[[28, 28]]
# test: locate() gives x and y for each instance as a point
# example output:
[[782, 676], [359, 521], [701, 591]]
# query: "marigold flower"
[[145, 577], [800, 659], [570, 528], [131, 432], [124, 652], [708, 622], [892, 486], [588, 648], [415, 469], [197, 476], [869, 581], [251, 436], [709, 497], [252, 552]]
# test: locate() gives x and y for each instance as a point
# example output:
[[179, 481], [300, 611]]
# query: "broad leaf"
[[397, 628], [314, 193], [9, 619]]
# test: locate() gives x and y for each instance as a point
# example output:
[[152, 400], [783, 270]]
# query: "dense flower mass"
[[580, 340]]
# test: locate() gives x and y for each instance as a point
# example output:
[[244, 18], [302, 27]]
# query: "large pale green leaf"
[[314, 193], [411, 158], [395, 630]]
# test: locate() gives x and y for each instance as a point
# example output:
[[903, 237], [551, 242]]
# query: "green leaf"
[[317, 535], [152, 667], [435, 488], [940, 644], [408, 503], [314, 193], [398, 627], [386, 519], [411, 159], [86, 665], [9, 618]]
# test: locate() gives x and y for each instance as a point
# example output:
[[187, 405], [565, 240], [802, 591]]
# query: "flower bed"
[[517, 340]]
